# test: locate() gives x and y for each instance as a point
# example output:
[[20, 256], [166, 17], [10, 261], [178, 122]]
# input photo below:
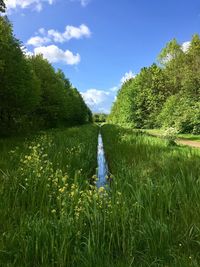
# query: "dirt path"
[[188, 143]]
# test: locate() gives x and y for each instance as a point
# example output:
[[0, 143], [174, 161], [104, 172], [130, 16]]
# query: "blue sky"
[[99, 43]]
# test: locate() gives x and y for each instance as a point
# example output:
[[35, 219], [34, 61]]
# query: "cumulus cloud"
[[127, 76], [98, 100], [102, 100], [54, 55], [185, 46], [95, 97], [38, 41], [71, 32], [35, 4]]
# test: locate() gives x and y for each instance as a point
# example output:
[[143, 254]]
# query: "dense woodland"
[[166, 94], [32, 94]]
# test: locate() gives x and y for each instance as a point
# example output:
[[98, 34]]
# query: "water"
[[102, 165]]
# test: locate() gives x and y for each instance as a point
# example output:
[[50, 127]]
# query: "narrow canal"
[[102, 164]]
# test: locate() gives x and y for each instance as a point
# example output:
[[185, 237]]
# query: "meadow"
[[159, 218], [52, 214]]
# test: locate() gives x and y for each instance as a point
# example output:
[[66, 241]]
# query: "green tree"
[[165, 95], [19, 87], [2, 6]]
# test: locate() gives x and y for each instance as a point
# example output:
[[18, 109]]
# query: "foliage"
[[164, 96], [99, 117], [2, 6], [19, 88], [32, 94], [170, 135]]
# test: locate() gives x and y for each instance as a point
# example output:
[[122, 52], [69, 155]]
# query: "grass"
[[158, 220], [51, 214], [191, 137], [43, 182]]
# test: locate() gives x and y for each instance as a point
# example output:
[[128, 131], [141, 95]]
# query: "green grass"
[[51, 215], [42, 182], [191, 137], [158, 220]]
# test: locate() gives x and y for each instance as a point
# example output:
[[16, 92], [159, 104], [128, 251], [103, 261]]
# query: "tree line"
[[166, 94], [99, 117], [32, 94]]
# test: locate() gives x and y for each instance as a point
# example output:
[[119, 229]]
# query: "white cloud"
[[185, 46], [98, 100], [35, 4], [127, 76], [54, 55], [38, 41], [56, 36], [102, 100], [77, 33], [52, 35], [70, 32], [95, 97]]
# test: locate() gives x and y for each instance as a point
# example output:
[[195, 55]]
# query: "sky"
[[101, 43]]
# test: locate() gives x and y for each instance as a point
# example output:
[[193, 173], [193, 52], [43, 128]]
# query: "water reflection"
[[102, 165]]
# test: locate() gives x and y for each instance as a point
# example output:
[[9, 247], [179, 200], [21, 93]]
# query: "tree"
[[61, 104], [19, 87], [2, 6], [165, 95]]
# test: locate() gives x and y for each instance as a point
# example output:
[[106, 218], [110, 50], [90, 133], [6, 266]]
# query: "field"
[[159, 217], [51, 213]]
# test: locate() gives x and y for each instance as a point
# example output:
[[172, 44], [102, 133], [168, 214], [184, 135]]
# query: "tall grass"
[[51, 215], [160, 186], [45, 197]]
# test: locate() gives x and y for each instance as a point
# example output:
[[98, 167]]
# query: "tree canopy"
[[32, 94], [164, 95], [2, 6]]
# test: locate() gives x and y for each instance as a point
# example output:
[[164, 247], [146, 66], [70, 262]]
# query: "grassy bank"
[[44, 189], [192, 137], [158, 220], [51, 215]]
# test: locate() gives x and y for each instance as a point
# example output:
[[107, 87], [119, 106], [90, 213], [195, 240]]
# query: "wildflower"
[[64, 178], [61, 190], [101, 189]]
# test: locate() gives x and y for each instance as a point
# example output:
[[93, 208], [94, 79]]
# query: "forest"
[[164, 95], [33, 96]]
